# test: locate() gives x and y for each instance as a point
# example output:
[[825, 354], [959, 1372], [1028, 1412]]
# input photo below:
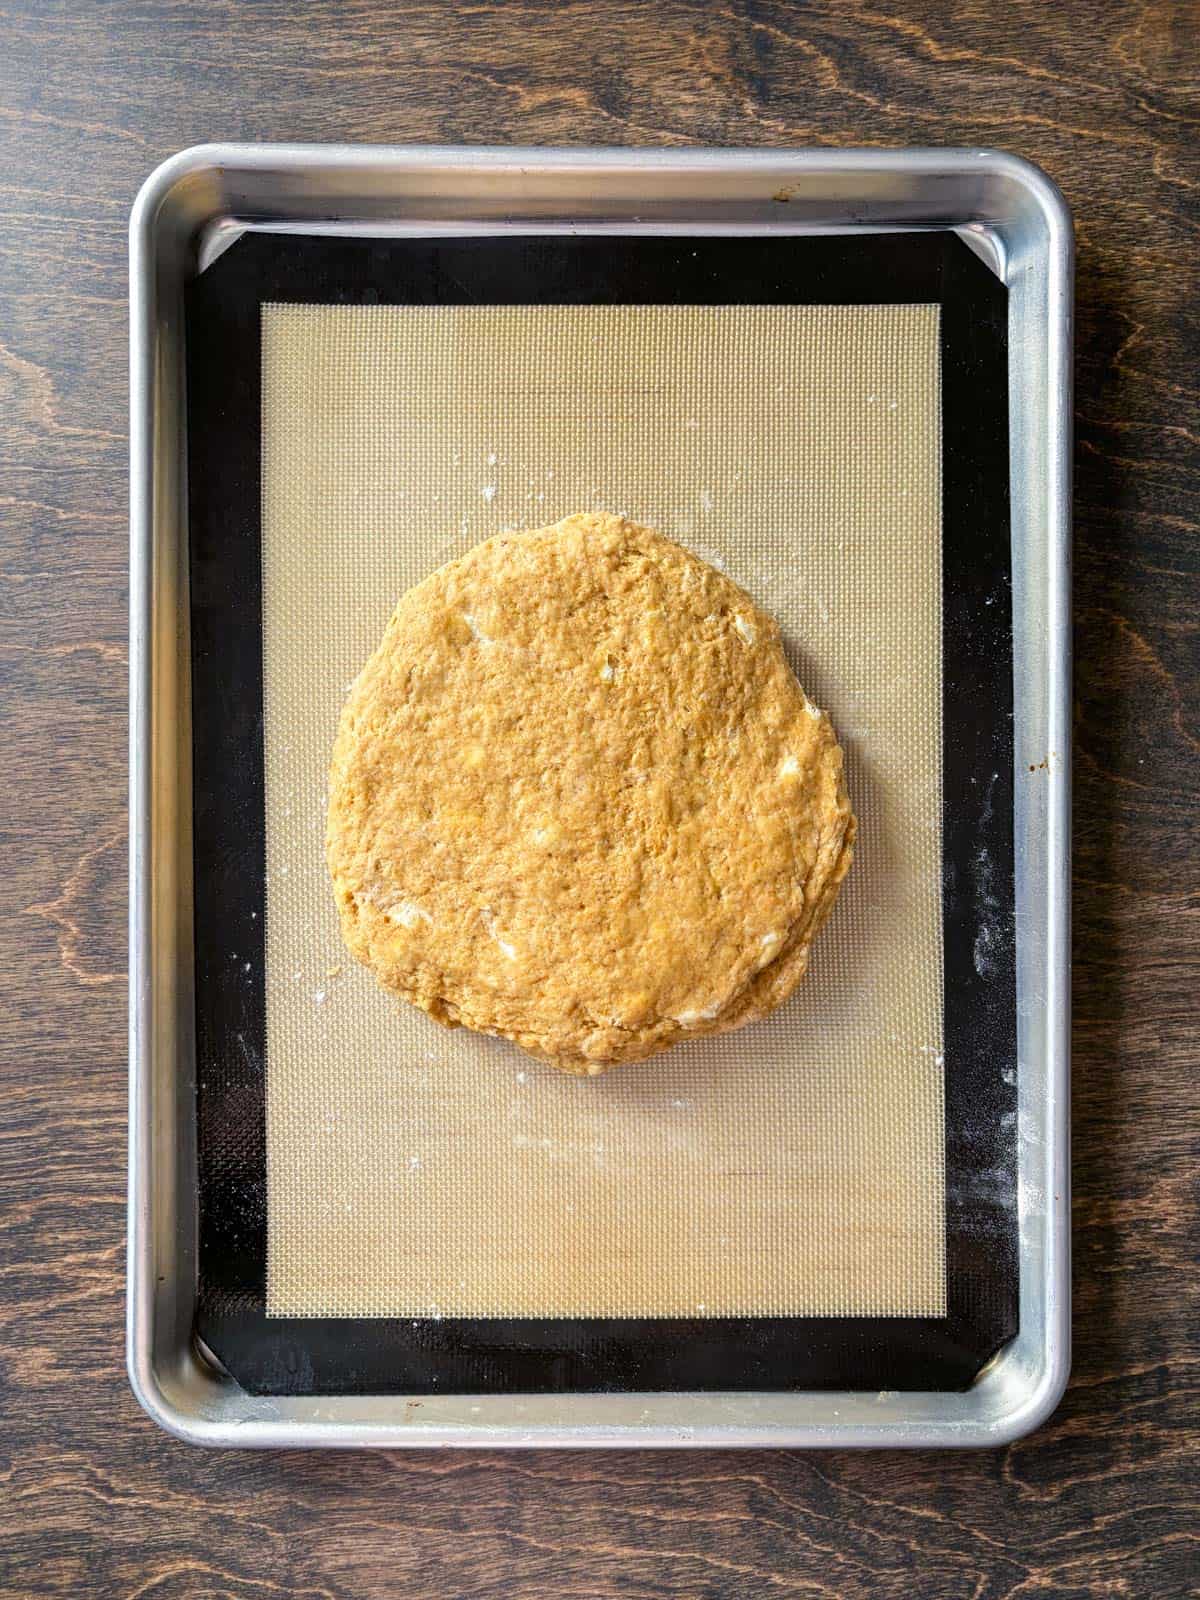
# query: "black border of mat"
[[398, 1356]]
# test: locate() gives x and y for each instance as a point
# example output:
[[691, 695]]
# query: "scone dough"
[[578, 798]]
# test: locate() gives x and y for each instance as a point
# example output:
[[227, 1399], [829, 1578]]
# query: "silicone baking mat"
[[792, 1167], [790, 1176]]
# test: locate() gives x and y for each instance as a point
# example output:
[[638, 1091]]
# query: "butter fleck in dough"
[[579, 800]]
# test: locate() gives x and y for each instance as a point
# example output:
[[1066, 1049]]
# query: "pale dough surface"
[[578, 798]]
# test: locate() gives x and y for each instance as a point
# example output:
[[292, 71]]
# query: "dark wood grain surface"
[[93, 1499]]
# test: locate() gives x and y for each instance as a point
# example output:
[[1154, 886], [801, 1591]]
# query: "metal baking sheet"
[[186, 215]]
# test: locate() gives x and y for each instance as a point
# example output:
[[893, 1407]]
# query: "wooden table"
[[93, 1499]]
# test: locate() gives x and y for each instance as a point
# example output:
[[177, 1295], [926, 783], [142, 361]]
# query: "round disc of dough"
[[578, 798]]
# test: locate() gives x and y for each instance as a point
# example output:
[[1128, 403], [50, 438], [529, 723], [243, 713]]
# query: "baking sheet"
[[795, 1167], [203, 1360]]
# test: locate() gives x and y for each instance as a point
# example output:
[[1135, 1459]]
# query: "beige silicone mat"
[[794, 1167]]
